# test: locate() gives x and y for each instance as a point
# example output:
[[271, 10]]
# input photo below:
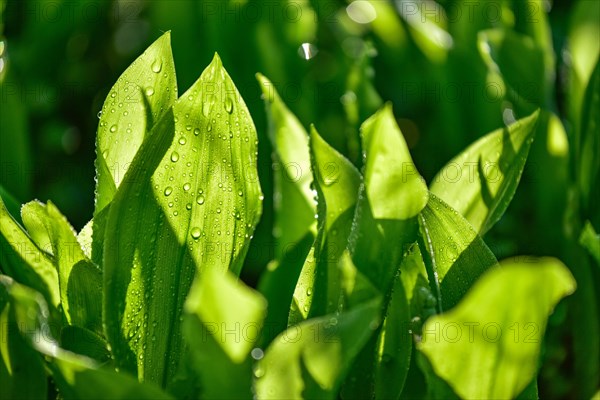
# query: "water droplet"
[[182, 140], [188, 206], [156, 66], [149, 91], [168, 190], [240, 193], [197, 131], [229, 105], [186, 186], [200, 199], [218, 211], [99, 114], [238, 215], [257, 353], [308, 291], [174, 156], [188, 127], [113, 94], [307, 50], [196, 232], [259, 372], [113, 128]]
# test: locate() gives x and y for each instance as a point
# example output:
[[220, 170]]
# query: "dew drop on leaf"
[[182, 140], [188, 206], [228, 105], [156, 66], [196, 131], [149, 91], [113, 128], [168, 190], [200, 199], [196, 232], [186, 186], [174, 156], [259, 372]]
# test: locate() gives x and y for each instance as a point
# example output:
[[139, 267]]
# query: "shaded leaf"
[[591, 241], [310, 359], [520, 63], [293, 198], [337, 181], [24, 261], [489, 345], [455, 256], [587, 155], [22, 373], [75, 376], [384, 227]]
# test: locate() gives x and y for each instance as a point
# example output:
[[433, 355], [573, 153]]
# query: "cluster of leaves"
[[391, 279]]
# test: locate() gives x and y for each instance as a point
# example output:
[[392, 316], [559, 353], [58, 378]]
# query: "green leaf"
[[310, 360], [85, 238], [75, 376], [85, 342], [146, 90], [15, 147], [80, 281], [520, 64], [24, 261], [337, 182], [294, 204], [489, 345], [11, 203], [587, 155], [393, 185], [591, 241], [190, 201], [22, 373], [394, 345], [455, 256], [384, 226], [223, 323], [141, 95], [480, 182]]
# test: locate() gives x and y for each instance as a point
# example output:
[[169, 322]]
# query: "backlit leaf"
[[24, 261], [221, 336], [480, 182], [189, 202], [489, 345]]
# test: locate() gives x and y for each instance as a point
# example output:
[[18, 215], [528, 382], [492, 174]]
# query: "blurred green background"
[[453, 70]]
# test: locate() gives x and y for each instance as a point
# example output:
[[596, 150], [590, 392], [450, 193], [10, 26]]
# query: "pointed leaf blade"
[[194, 185], [480, 182]]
